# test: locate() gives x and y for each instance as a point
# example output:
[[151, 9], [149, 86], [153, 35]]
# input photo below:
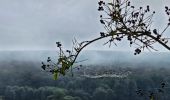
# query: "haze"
[[38, 24]]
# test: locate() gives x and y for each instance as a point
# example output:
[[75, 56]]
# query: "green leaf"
[[55, 75], [69, 64], [152, 97], [62, 71], [110, 4], [113, 32]]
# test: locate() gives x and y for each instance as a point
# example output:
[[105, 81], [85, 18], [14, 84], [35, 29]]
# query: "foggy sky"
[[38, 24]]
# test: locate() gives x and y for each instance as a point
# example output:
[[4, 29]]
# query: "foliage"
[[121, 20], [81, 88]]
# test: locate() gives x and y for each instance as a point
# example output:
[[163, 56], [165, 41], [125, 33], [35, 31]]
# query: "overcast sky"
[[38, 24]]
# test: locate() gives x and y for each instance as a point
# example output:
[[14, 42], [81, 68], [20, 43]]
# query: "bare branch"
[[120, 20]]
